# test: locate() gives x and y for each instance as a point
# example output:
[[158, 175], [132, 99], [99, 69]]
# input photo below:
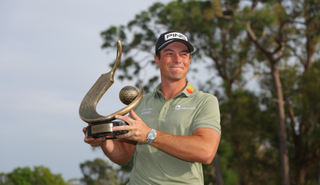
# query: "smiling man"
[[174, 129]]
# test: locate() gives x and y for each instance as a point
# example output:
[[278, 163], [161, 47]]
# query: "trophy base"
[[105, 129]]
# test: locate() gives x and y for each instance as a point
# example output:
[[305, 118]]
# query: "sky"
[[50, 56]]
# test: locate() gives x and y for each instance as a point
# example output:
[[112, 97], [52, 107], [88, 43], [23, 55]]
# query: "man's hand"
[[119, 151], [138, 130], [91, 141]]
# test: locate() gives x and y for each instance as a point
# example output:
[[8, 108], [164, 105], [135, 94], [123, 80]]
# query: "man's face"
[[174, 61]]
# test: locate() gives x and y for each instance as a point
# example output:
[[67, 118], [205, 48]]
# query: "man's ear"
[[156, 59]]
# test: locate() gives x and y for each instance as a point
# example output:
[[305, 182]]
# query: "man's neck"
[[170, 89]]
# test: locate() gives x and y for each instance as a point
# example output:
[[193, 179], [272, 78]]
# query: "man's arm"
[[201, 146], [119, 151]]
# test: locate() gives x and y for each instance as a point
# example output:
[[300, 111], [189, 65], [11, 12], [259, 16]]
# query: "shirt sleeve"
[[208, 115]]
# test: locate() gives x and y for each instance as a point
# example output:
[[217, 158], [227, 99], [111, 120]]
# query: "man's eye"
[[184, 54]]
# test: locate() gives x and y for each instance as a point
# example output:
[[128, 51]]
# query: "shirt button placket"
[[164, 110]]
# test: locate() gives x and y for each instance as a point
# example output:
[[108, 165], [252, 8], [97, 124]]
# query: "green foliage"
[[247, 142], [230, 174], [98, 172], [26, 176], [305, 126]]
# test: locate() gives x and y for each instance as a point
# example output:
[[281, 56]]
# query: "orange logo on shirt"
[[190, 89]]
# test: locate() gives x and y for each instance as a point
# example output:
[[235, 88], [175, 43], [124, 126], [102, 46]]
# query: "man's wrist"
[[151, 136]]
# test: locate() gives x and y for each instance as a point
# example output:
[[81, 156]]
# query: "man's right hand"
[[119, 151], [91, 141]]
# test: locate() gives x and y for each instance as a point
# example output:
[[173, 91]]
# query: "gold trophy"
[[102, 126]]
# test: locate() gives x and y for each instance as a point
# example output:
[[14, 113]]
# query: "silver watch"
[[151, 136]]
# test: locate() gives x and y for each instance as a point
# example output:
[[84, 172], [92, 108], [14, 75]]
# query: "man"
[[174, 129]]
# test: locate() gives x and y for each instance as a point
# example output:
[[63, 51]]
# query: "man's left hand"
[[138, 130]]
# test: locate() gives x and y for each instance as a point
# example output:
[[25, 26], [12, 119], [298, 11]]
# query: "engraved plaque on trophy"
[[102, 126]]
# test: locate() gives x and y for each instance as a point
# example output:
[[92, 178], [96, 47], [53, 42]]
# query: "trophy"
[[102, 126]]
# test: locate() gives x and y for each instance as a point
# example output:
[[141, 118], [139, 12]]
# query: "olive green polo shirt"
[[189, 110]]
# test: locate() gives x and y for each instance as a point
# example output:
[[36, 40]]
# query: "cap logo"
[[175, 35]]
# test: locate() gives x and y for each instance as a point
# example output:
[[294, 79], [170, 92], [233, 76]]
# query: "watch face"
[[152, 135]]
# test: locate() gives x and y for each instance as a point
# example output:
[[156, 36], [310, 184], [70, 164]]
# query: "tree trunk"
[[302, 176], [217, 170], [279, 102], [281, 124]]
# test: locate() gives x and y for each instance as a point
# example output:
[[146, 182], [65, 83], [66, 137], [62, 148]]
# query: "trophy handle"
[[87, 110]]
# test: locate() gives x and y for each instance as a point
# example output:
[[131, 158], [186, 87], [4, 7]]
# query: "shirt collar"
[[187, 91]]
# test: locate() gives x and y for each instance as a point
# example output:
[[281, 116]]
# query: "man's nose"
[[177, 58]]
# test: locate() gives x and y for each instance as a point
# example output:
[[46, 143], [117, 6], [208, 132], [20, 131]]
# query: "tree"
[[275, 33], [25, 176], [98, 172], [274, 38]]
